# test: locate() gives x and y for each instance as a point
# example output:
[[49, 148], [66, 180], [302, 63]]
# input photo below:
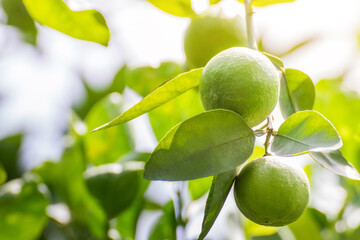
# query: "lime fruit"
[[211, 33], [242, 80], [271, 193]]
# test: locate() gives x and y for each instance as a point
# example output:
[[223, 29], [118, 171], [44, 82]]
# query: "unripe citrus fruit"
[[242, 80], [211, 33], [271, 193]]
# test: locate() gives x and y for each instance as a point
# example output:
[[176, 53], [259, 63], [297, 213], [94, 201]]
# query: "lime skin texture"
[[242, 80], [271, 193], [211, 33]]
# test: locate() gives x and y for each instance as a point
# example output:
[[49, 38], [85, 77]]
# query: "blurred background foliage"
[[93, 189]]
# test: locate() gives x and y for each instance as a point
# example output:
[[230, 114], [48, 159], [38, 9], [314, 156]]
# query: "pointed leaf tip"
[[335, 162], [303, 132], [106, 125], [161, 95]]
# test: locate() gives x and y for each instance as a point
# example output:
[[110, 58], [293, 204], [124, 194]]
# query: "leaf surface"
[[181, 108], [115, 185], [303, 132], [341, 106], [22, 209], [207, 144], [297, 92], [275, 60], [169, 90], [87, 25], [3, 174], [219, 191], [165, 227], [180, 8], [146, 78], [263, 3], [66, 178], [335, 162], [107, 146], [198, 187], [18, 17]]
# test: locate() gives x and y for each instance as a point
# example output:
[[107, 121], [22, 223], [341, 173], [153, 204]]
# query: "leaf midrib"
[[190, 156], [293, 139]]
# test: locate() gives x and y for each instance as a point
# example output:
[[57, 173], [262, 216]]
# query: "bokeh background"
[[46, 76]]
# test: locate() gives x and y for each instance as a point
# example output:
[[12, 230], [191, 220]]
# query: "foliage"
[[87, 25], [17, 16], [23, 209], [100, 182]]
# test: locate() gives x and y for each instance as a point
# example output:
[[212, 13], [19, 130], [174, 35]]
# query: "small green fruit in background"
[[271, 193], [242, 80], [210, 33]]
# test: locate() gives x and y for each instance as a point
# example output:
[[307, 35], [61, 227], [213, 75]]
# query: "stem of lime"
[[253, 45], [250, 25], [269, 133]]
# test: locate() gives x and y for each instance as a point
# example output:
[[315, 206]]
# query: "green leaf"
[[95, 95], [107, 146], [252, 229], [114, 185], [258, 152], [22, 209], [299, 45], [303, 132], [181, 108], [198, 187], [335, 162], [212, 2], [3, 174], [135, 156], [18, 17], [297, 92], [87, 25], [65, 179], [219, 191], [263, 3], [319, 217], [127, 220], [306, 227], [275, 236], [145, 79], [9, 152], [169, 90], [340, 106], [180, 8], [353, 235], [275, 60], [165, 228], [207, 144]]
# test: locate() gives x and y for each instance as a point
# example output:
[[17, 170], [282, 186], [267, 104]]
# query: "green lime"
[[211, 33], [242, 80], [271, 193]]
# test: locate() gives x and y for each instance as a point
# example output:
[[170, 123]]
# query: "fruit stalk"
[[249, 25], [252, 44]]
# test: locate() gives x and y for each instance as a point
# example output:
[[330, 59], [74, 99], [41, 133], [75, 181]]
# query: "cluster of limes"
[[245, 81]]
